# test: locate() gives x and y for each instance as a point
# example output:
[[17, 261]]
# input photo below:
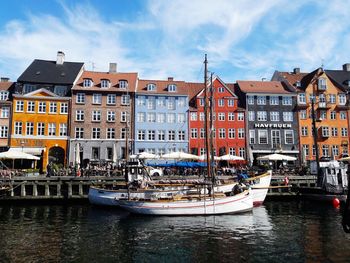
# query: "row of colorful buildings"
[[58, 110]]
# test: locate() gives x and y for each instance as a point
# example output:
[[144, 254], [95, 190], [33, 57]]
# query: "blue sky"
[[244, 39]]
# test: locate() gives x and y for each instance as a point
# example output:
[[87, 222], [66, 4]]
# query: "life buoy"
[[286, 180], [78, 173]]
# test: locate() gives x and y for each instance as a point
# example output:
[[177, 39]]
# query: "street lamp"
[[314, 132]]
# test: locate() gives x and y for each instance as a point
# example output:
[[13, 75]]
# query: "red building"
[[228, 127]]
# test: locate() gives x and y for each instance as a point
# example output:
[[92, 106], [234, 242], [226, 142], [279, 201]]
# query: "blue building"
[[161, 116]]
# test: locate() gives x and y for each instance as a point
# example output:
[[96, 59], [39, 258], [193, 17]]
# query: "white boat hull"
[[261, 187], [210, 206]]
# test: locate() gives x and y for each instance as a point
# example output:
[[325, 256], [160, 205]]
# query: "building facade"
[[228, 122], [271, 118], [6, 88], [161, 116], [102, 105]]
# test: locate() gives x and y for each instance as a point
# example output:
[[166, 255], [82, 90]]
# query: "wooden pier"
[[66, 188]]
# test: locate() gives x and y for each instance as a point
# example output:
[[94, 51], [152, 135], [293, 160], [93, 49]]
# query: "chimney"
[[170, 79], [296, 70], [346, 67], [112, 67], [60, 58], [3, 79]]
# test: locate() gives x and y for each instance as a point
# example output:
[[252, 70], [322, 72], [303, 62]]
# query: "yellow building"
[[40, 125]]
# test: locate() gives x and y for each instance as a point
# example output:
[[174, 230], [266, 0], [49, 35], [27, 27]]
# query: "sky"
[[244, 39]]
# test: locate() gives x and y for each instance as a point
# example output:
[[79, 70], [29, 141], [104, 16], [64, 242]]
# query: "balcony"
[[323, 105], [302, 105]]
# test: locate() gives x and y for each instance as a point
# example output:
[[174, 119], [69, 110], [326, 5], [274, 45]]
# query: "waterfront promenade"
[[69, 188]]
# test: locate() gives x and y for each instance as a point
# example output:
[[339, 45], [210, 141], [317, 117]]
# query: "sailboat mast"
[[206, 117]]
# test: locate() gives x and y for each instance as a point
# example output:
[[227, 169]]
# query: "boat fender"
[[286, 180]]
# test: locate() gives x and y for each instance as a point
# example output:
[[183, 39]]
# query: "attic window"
[[172, 88], [37, 73], [63, 74], [87, 83], [151, 87], [221, 89], [298, 84], [104, 83], [123, 84]]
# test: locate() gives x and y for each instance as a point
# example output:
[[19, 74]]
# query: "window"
[[96, 133], [110, 116], [60, 90], [40, 129], [250, 100], [161, 102], [31, 106], [95, 153], [201, 116], [171, 104], [105, 83], [287, 116], [241, 152], [141, 135], [63, 129], [151, 117], [151, 87], [111, 99], [161, 117], [80, 98], [122, 133], [141, 101], [125, 100], [323, 115], [334, 132], [345, 149], [171, 135], [261, 100], [109, 153], [274, 116], [53, 107], [342, 115], [306, 150], [161, 135], [274, 100], [333, 115], [4, 130], [42, 107], [222, 133], [79, 132], [29, 128], [232, 151], [194, 133], [141, 117], [325, 131], [18, 128], [302, 114], [332, 98], [304, 131], [181, 135], [231, 116], [221, 116], [221, 102], [344, 132], [64, 108], [4, 95], [251, 136], [312, 97], [19, 106], [289, 136], [287, 100], [52, 129], [28, 88], [202, 133], [335, 150], [262, 116], [123, 84], [342, 99], [96, 115], [314, 150], [123, 116], [221, 89], [240, 116], [276, 138], [151, 105], [194, 116], [181, 102], [5, 112], [201, 102], [87, 83], [79, 115], [171, 117], [110, 133], [230, 102], [325, 150], [322, 84], [96, 99], [251, 116], [231, 133], [262, 137], [301, 98], [172, 88], [181, 118], [241, 133]]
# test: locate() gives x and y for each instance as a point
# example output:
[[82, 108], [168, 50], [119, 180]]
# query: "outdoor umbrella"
[[77, 155], [229, 157], [203, 157], [144, 155], [180, 156], [114, 153], [13, 154], [277, 157]]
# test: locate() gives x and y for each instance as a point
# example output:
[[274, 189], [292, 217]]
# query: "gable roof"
[[6, 85], [340, 78], [114, 79], [162, 87], [48, 72], [42, 90], [274, 87]]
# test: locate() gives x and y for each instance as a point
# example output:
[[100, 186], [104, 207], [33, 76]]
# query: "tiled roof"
[[292, 77], [340, 77], [194, 88], [113, 78], [48, 72], [162, 87], [6, 85], [275, 87]]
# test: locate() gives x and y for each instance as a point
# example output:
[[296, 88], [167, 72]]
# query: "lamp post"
[[314, 133]]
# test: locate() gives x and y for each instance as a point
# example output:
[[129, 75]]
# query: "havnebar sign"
[[273, 125]]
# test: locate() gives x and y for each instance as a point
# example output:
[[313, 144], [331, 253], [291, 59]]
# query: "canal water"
[[276, 232]]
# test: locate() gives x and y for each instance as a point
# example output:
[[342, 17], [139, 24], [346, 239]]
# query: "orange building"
[[40, 125]]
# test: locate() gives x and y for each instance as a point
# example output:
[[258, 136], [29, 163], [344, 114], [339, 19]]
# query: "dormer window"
[[123, 84], [27, 88], [322, 85], [172, 88], [4, 95], [105, 83], [87, 83], [298, 84], [151, 87]]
